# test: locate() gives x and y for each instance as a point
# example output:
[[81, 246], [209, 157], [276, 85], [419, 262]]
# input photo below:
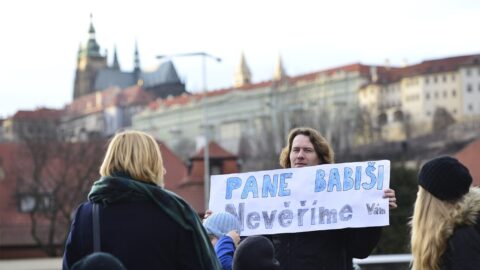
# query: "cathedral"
[[94, 74]]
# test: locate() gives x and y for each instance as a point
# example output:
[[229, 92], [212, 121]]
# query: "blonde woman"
[[142, 224], [446, 218]]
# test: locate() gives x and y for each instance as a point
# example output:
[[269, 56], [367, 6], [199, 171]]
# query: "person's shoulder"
[[174, 196], [82, 208], [466, 234]]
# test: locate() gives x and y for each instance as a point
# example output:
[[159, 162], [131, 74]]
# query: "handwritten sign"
[[323, 197]]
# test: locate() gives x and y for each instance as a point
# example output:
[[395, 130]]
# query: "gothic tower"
[[279, 73], [242, 74], [89, 62]]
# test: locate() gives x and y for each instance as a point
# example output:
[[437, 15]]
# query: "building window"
[[467, 72], [216, 170], [427, 96], [398, 116], [382, 119], [426, 80], [454, 93], [435, 79], [444, 94], [453, 77], [428, 113], [30, 202], [444, 78], [454, 111], [469, 88]]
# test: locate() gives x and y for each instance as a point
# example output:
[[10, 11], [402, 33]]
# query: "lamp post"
[[206, 155]]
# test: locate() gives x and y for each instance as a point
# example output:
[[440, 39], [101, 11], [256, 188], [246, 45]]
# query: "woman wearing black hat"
[[446, 218]]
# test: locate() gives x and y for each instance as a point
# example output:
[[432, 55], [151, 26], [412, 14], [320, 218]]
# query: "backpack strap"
[[96, 227]]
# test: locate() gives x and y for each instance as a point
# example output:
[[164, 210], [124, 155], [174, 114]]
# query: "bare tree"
[[54, 177], [184, 148], [257, 150], [442, 119]]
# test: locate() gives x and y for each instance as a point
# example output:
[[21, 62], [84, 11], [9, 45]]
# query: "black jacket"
[[463, 249], [138, 233], [325, 250]]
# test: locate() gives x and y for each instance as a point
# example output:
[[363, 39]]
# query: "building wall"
[[251, 111], [419, 96], [470, 89]]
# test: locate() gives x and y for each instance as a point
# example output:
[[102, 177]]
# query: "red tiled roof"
[[176, 169], [394, 74], [193, 193], [185, 99], [89, 103], [114, 96], [214, 151], [360, 68], [385, 75], [441, 65], [470, 157], [134, 95], [42, 113], [191, 187]]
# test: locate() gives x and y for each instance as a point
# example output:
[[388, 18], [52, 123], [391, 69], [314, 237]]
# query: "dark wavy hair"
[[322, 147]]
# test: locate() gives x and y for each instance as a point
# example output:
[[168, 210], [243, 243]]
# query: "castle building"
[[105, 97], [351, 105], [94, 74], [405, 102], [249, 110]]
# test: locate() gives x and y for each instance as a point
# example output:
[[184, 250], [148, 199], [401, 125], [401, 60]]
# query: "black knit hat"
[[255, 253], [445, 178]]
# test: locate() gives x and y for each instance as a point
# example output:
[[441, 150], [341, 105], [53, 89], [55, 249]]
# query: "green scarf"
[[111, 189]]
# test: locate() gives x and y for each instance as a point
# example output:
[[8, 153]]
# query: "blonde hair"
[[322, 147], [432, 223], [135, 153]]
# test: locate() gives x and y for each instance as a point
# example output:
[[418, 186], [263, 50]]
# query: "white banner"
[[322, 197]]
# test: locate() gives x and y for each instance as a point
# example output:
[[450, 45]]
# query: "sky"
[[41, 38]]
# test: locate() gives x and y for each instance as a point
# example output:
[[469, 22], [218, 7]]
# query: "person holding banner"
[[446, 217], [327, 249]]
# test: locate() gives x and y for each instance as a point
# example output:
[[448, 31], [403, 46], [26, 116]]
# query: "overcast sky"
[[40, 39]]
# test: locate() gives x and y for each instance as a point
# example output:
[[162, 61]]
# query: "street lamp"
[[206, 156]]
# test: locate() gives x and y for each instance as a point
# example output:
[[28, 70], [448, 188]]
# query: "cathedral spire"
[[279, 72], [92, 49], [115, 64], [242, 74], [136, 68]]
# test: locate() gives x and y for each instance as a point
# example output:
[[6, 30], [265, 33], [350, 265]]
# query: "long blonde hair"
[[135, 153], [432, 224]]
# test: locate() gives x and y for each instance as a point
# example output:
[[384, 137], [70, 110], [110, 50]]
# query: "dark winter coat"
[[325, 250], [144, 226], [463, 248]]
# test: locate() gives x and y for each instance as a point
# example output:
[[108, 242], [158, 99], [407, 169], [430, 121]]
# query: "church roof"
[[109, 77], [164, 74]]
